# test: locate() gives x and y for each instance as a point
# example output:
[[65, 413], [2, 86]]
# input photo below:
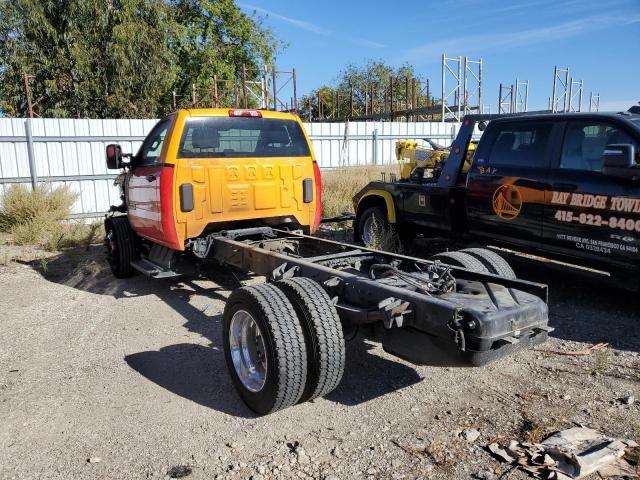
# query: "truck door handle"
[[150, 178]]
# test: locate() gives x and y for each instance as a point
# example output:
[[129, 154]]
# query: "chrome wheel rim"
[[248, 351]]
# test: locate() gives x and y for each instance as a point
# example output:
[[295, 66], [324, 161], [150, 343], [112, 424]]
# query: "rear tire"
[[121, 245], [322, 332], [494, 262], [261, 333], [461, 259]]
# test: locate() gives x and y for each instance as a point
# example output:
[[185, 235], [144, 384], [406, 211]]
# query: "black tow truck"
[[564, 186]]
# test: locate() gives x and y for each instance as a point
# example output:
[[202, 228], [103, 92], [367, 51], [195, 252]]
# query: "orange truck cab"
[[203, 170], [206, 169]]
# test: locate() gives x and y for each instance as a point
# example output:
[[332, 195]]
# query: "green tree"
[[374, 86], [216, 39], [121, 58]]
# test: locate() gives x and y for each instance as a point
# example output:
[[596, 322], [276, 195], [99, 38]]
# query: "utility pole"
[[275, 89], [244, 86], [215, 91], [393, 116], [351, 99], [295, 92], [27, 90]]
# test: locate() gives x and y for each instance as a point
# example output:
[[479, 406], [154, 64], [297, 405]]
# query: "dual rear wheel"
[[283, 343], [478, 260]]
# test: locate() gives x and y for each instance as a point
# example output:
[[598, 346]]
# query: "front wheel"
[[121, 246], [374, 231], [264, 348]]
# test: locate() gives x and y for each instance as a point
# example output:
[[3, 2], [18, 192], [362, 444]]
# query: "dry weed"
[[340, 185], [37, 217]]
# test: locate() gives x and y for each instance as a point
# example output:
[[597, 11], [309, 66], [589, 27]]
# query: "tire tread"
[[494, 262], [126, 247], [326, 349], [461, 259], [289, 344]]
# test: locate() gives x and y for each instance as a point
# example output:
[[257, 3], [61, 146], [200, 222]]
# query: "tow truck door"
[[506, 184], [588, 214], [143, 190]]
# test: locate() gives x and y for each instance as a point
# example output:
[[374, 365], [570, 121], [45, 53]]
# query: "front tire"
[[373, 230], [121, 246], [264, 348]]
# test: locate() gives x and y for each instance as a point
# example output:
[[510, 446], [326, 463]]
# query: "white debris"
[[470, 434], [569, 454]]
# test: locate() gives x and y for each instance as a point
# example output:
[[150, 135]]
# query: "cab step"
[[150, 269]]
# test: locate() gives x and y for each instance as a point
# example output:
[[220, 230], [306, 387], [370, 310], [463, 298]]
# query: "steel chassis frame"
[[458, 324]]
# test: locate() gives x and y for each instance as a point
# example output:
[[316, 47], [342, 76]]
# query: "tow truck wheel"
[[121, 246], [264, 348], [374, 231], [322, 333], [461, 259], [494, 262]]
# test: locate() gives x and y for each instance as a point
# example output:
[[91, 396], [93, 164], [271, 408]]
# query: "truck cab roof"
[[632, 116], [238, 112]]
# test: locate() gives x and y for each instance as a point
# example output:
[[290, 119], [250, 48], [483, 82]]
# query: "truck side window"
[[521, 145], [585, 143], [151, 148]]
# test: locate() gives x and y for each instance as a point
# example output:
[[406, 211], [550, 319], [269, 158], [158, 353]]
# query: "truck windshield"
[[214, 137]]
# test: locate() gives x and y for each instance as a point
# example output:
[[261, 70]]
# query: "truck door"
[[588, 214], [506, 184], [143, 192]]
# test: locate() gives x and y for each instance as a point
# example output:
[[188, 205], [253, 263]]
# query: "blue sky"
[[524, 39]]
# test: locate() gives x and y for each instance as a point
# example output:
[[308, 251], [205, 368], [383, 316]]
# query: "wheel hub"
[[248, 351]]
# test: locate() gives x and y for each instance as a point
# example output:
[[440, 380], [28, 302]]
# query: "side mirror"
[[114, 157], [619, 160]]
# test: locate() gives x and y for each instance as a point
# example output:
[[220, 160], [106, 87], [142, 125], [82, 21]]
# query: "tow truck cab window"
[[585, 143], [213, 137], [522, 145], [151, 148]]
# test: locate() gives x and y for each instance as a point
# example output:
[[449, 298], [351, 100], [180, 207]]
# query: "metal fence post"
[[30, 154], [374, 148]]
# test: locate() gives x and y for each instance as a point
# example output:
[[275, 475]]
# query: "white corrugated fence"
[[72, 151]]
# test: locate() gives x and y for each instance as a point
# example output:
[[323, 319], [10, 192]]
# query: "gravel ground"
[[107, 378]]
